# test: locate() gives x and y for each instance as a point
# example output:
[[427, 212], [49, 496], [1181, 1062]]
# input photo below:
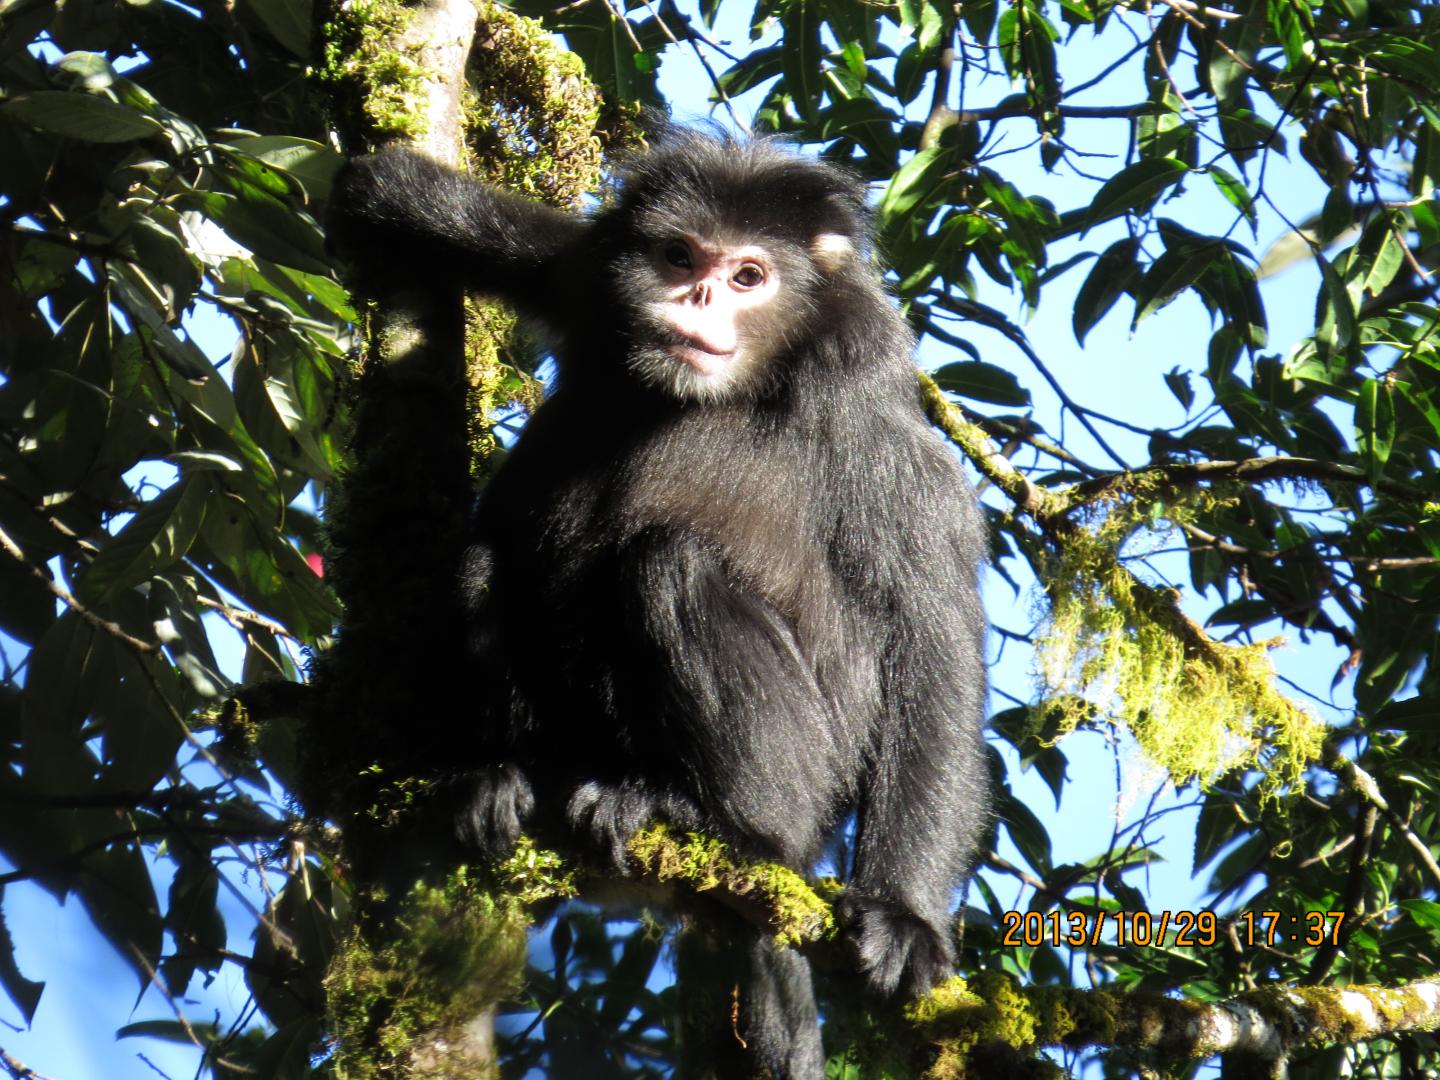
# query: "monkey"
[[727, 577]]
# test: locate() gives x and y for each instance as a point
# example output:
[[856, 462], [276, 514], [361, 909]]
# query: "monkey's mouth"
[[700, 355]]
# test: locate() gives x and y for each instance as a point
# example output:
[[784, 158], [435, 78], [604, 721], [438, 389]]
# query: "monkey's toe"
[[610, 814], [493, 805]]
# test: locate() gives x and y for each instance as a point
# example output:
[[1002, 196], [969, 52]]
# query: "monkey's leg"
[[748, 735], [490, 802]]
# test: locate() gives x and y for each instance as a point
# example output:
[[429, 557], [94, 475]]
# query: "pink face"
[[709, 294]]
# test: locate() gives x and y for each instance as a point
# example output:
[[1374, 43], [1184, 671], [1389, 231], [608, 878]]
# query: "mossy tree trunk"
[[436, 944]]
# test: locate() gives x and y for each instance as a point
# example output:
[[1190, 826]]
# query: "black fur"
[[748, 612]]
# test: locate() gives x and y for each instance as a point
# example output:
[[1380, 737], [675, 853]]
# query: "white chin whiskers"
[[669, 370]]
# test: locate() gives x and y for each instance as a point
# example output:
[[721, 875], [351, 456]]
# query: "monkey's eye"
[[749, 276], [677, 254]]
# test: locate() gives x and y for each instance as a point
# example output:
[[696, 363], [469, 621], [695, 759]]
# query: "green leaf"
[[1169, 276], [1334, 311], [309, 917], [803, 55], [1388, 259], [868, 123], [1375, 425], [152, 541], [119, 896], [1246, 134], [1425, 401], [167, 1030], [982, 382], [193, 918], [137, 720], [1179, 384], [1413, 714], [753, 70], [287, 1053], [911, 70], [914, 183], [1025, 830], [267, 226], [251, 561], [1426, 913], [25, 993], [86, 117], [181, 354], [1134, 187], [288, 21], [979, 16], [27, 607], [1242, 613], [1236, 191], [1114, 272], [934, 20], [1160, 129], [175, 613], [90, 71], [1425, 169]]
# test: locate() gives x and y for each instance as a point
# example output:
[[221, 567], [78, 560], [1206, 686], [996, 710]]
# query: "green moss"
[[959, 1016], [392, 799], [1117, 648], [533, 874], [403, 986], [495, 377], [531, 111], [368, 77], [702, 863]]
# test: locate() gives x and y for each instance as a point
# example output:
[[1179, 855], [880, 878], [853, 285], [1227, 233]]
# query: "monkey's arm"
[[925, 803], [401, 217]]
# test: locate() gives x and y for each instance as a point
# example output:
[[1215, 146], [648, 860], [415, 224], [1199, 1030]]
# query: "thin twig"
[[11, 548], [18, 1069]]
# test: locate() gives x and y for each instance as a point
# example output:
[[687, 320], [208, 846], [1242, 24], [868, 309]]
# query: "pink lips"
[[701, 356]]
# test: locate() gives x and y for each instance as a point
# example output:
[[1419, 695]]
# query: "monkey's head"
[[724, 258]]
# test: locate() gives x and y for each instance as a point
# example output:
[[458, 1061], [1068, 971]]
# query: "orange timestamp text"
[[1194, 929]]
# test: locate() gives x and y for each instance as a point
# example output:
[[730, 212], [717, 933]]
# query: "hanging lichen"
[[1120, 649], [531, 111], [530, 127], [405, 984]]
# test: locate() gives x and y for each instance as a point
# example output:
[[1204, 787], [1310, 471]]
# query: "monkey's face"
[[717, 314]]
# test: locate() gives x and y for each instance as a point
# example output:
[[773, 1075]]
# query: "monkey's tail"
[[748, 1007]]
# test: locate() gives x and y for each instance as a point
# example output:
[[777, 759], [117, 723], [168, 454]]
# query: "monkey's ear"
[[831, 251]]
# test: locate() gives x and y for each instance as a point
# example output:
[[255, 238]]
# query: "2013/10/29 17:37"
[[1192, 929]]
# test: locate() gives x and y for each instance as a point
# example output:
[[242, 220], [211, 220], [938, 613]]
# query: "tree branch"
[[1252, 470], [11, 548], [1270, 1023], [18, 1069]]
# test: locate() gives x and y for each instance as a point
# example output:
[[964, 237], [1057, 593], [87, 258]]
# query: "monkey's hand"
[[610, 814], [492, 805], [898, 951]]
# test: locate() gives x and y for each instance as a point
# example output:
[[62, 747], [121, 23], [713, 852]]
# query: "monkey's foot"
[[491, 807], [897, 950], [610, 814]]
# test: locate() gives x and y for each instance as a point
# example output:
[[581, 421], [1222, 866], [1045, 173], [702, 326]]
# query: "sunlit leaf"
[[87, 117], [1134, 187]]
